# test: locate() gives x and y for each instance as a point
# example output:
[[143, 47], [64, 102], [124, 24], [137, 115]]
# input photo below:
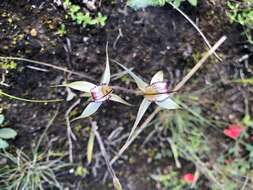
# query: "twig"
[[177, 87], [245, 183], [49, 65], [103, 151], [70, 134], [136, 134], [196, 27], [200, 63]]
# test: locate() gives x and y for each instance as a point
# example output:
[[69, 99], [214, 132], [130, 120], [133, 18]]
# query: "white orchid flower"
[[157, 91], [98, 93]]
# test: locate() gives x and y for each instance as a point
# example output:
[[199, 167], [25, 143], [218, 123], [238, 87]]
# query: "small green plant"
[[242, 13], [5, 134], [62, 30], [83, 18], [7, 64]]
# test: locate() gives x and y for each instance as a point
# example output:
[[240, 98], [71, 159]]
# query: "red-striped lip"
[[101, 93]]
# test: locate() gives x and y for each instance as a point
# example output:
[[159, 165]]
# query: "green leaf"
[[168, 104], [1, 119], [7, 133], [193, 2], [3, 144], [140, 83], [116, 98], [106, 76], [142, 109], [139, 4], [90, 147], [177, 3], [158, 77], [80, 85]]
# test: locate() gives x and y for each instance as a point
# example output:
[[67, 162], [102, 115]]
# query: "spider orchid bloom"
[[98, 93], [157, 91]]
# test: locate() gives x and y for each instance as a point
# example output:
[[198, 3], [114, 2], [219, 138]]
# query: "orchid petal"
[[117, 98], [168, 104], [80, 85], [106, 76], [90, 109], [142, 109], [158, 77], [140, 83]]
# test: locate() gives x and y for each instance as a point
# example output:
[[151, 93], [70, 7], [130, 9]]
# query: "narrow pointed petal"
[[90, 109], [140, 83], [116, 98], [80, 85], [168, 104], [142, 109], [158, 77], [107, 74]]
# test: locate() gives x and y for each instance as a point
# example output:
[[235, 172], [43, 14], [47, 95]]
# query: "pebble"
[[33, 32]]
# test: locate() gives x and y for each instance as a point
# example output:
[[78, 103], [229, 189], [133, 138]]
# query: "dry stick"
[[105, 155], [196, 27], [49, 65], [70, 134], [177, 87]]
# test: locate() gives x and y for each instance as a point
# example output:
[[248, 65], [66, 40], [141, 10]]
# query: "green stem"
[[28, 100]]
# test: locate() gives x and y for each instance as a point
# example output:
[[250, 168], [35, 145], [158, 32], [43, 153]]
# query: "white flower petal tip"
[[157, 91], [107, 74], [101, 93], [158, 77], [80, 85], [140, 83], [116, 98], [168, 104]]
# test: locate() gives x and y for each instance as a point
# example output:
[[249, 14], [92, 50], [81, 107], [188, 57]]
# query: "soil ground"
[[152, 39]]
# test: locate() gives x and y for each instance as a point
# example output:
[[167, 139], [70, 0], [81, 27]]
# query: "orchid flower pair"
[[157, 91], [98, 93]]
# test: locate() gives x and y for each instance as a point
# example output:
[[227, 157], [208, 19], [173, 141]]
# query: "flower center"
[[156, 92], [101, 93]]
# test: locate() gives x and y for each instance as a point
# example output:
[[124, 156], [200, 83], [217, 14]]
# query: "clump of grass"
[[34, 172]]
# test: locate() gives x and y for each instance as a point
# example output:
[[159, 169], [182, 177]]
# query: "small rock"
[[33, 32]]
